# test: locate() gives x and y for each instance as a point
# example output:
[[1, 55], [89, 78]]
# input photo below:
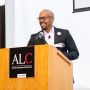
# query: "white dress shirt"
[[49, 36]]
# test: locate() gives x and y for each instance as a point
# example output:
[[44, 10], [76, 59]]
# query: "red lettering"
[[26, 58]]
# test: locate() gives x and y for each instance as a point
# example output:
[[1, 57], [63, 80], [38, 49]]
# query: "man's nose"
[[41, 21]]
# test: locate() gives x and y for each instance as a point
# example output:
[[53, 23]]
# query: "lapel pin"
[[58, 33]]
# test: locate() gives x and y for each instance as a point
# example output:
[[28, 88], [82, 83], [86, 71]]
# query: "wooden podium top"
[[53, 71]]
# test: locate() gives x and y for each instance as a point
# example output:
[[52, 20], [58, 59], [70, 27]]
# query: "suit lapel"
[[56, 35]]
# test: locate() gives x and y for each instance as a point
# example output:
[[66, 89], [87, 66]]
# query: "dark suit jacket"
[[63, 42]]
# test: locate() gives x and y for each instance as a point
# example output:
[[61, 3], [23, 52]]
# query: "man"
[[60, 38]]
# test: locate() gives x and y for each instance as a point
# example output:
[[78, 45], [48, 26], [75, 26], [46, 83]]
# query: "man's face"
[[45, 20]]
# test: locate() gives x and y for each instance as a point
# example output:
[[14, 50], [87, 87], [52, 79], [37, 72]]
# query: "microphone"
[[40, 37]]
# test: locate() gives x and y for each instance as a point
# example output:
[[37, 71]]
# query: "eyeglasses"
[[43, 18]]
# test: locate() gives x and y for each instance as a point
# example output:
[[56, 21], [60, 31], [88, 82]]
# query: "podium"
[[52, 71]]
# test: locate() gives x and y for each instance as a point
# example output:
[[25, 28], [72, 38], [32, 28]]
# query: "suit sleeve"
[[36, 41], [72, 53], [31, 41]]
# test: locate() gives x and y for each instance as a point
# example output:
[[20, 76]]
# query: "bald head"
[[49, 12], [46, 18]]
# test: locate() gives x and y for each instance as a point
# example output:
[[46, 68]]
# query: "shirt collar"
[[51, 31]]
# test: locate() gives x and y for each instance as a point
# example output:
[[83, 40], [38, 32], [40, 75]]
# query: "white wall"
[[2, 2], [81, 23], [10, 22], [25, 23]]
